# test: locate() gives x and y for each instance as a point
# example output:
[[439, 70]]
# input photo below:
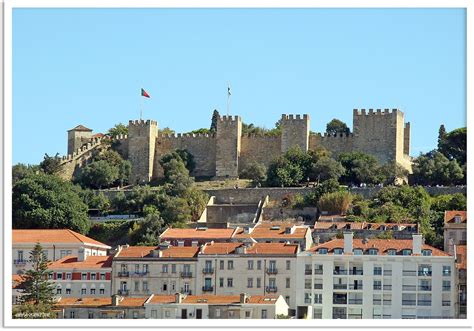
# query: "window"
[[446, 285], [288, 265], [92, 290], [230, 282], [358, 251], [50, 275], [186, 287], [247, 314], [84, 276], [59, 275], [58, 291], [145, 285], [406, 252], [249, 282], [259, 265], [136, 285], [221, 282], [259, 282], [165, 287], [72, 314], [426, 252], [173, 286], [264, 313], [221, 265], [102, 276], [154, 313], [68, 275], [377, 284], [218, 312], [164, 268], [391, 252], [83, 291], [318, 269], [101, 291], [373, 251], [250, 265], [173, 268], [287, 299], [230, 265], [145, 268], [446, 270], [93, 276], [322, 251], [377, 270], [318, 298], [288, 282], [135, 314], [20, 255], [338, 251], [68, 291], [137, 268], [307, 284]]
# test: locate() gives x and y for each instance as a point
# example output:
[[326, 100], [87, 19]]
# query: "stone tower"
[[294, 132], [141, 149], [229, 131], [382, 134], [76, 137]]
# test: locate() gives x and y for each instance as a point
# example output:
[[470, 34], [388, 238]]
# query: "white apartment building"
[[249, 267], [241, 306], [142, 270], [56, 244], [375, 278]]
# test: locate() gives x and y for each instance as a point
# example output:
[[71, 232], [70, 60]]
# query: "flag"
[[144, 94], [228, 91]]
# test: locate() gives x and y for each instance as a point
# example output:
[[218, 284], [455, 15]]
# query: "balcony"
[[355, 301], [355, 286], [409, 288], [377, 302], [207, 288], [123, 274], [340, 272], [387, 272], [377, 287], [272, 271], [186, 274], [424, 273], [307, 271], [20, 262], [307, 300], [387, 302], [339, 301], [446, 303], [208, 271], [408, 302], [318, 286], [387, 287], [409, 272], [340, 286], [446, 288], [123, 292], [318, 271], [271, 289], [356, 272], [424, 288], [424, 302]]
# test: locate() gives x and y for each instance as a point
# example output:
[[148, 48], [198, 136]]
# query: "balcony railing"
[[426, 273], [208, 270], [123, 292], [338, 301], [387, 302], [123, 274], [424, 288], [409, 288], [307, 300], [272, 271], [140, 274], [377, 287], [387, 272], [19, 262], [186, 274], [387, 287], [356, 272], [355, 301], [446, 288], [307, 271], [318, 271], [424, 302], [355, 286], [446, 303], [377, 302], [208, 288], [271, 289], [340, 272], [339, 316], [409, 302], [409, 272], [340, 286], [318, 286]]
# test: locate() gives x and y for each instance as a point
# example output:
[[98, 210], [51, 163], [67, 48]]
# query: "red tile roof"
[[257, 248], [210, 234], [450, 214], [461, 256], [156, 299], [133, 302], [85, 302], [91, 262], [212, 248], [273, 230], [46, 236], [170, 252], [16, 281], [80, 127], [381, 244], [358, 225]]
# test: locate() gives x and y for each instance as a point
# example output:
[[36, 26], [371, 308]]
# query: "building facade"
[[455, 229]]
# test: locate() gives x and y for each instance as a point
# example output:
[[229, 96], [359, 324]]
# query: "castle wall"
[[201, 146], [120, 144], [406, 139], [229, 131], [294, 132], [335, 144], [261, 149], [141, 149], [75, 139]]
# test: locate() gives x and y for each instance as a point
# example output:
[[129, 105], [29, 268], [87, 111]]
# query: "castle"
[[381, 133]]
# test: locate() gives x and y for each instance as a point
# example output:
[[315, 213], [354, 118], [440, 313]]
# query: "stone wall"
[[141, 149], [261, 149], [229, 131], [294, 132], [335, 144]]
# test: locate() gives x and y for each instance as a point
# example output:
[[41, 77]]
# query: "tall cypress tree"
[[37, 289], [441, 136], [215, 118]]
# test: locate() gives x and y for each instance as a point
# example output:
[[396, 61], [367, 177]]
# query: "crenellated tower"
[[228, 135], [141, 149], [294, 132], [77, 137]]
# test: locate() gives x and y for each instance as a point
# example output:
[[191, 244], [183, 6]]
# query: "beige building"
[[455, 222], [253, 268], [142, 270], [56, 245], [461, 268], [81, 276], [241, 306]]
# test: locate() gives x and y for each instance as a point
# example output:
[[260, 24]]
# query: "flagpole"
[[228, 98]]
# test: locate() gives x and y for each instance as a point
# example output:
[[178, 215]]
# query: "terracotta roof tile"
[[273, 230], [257, 248], [177, 234], [461, 256], [91, 262], [357, 225], [381, 244], [133, 302], [450, 214], [16, 281], [162, 299], [85, 302], [32, 236], [80, 127], [220, 248], [171, 252]]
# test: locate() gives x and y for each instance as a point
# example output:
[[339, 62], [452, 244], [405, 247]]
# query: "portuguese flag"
[[144, 94]]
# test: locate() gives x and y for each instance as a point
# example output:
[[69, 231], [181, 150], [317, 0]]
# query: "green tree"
[[176, 210], [453, 146], [96, 201], [441, 136], [199, 131], [282, 172], [335, 202], [434, 168], [441, 203], [336, 127], [390, 172], [181, 155], [360, 168], [120, 203], [149, 230], [36, 287], [99, 174], [326, 168], [51, 164], [43, 201], [166, 131], [117, 130], [110, 156], [124, 172], [176, 177], [20, 171], [254, 171], [214, 121], [197, 201]]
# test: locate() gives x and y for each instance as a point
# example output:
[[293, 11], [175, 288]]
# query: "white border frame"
[[9, 5]]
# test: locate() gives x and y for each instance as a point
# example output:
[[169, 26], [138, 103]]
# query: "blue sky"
[[86, 66]]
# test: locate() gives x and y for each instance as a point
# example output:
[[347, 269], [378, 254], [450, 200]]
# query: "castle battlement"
[[378, 111], [291, 117], [142, 123], [121, 137], [326, 135], [229, 118], [257, 136], [186, 135], [82, 150]]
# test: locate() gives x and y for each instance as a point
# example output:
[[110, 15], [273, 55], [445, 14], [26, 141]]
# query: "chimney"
[[348, 243], [243, 297], [115, 300], [417, 244], [81, 254], [178, 298]]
